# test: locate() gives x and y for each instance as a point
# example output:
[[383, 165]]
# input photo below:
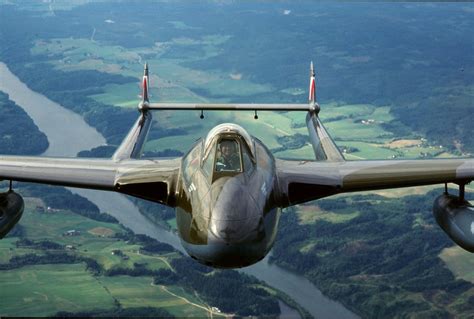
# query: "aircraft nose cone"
[[232, 201], [235, 231], [227, 232], [235, 216]]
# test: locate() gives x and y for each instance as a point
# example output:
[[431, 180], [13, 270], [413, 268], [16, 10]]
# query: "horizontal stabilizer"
[[227, 106]]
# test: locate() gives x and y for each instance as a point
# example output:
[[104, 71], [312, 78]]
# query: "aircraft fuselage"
[[228, 219]]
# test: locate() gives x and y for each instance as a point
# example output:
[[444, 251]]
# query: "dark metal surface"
[[456, 217], [303, 181], [11, 209], [227, 220]]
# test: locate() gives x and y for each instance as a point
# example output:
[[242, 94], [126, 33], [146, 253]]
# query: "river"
[[62, 126]]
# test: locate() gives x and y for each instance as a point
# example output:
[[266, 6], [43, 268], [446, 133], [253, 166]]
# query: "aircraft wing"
[[303, 181], [155, 176]]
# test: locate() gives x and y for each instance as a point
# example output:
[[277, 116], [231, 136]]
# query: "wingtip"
[[311, 68]]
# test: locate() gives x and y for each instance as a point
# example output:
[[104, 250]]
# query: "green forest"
[[383, 261], [18, 134]]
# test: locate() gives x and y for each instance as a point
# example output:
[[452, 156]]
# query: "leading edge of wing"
[[302, 181], [102, 174]]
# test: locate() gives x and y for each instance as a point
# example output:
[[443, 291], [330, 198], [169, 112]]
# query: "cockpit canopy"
[[228, 156], [228, 151], [231, 129]]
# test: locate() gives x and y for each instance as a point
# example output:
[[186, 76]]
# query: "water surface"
[[67, 131]]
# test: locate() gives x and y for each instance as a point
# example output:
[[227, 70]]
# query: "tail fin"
[[323, 146], [312, 85], [133, 143], [145, 83]]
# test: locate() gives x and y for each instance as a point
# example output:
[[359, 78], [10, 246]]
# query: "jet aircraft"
[[228, 189]]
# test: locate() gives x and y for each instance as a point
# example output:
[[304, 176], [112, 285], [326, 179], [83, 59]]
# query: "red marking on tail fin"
[[312, 89], [145, 88]]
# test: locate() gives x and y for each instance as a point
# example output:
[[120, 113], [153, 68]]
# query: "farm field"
[[357, 128], [140, 292], [95, 239], [47, 289], [362, 141], [309, 214]]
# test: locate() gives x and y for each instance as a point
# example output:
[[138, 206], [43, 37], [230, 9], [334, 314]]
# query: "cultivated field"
[[47, 289], [358, 129]]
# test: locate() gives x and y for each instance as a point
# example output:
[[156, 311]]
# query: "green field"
[[9, 249], [367, 150], [309, 214], [172, 80], [370, 140], [124, 95], [139, 292], [94, 240], [47, 289], [305, 152], [87, 54], [334, 110]]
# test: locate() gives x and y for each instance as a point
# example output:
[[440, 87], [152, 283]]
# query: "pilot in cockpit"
[[229, 157]]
